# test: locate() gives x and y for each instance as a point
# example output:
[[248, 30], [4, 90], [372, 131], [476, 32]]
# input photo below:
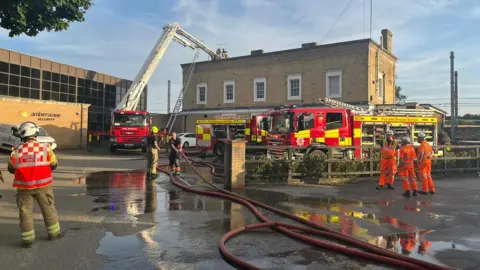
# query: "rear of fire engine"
[[213, 134]]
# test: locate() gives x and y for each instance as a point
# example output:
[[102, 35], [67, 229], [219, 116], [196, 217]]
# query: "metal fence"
[[455, 158]]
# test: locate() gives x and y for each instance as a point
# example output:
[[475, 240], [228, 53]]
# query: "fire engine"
[[342, 124], [212, 134], [129, 126]]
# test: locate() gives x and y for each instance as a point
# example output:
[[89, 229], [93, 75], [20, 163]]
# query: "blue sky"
[[118, 35]]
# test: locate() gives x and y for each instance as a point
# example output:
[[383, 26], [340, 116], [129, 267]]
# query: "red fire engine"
[[344, 125], [211, 134], [129, 129]]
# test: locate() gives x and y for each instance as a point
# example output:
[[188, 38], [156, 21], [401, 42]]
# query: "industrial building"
[[356, 72], [28, 81]]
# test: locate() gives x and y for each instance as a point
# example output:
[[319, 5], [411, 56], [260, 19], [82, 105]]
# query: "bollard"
[[234, 160]]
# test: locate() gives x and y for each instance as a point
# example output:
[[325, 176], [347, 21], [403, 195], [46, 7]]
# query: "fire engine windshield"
[[130, 120], [282, 123]]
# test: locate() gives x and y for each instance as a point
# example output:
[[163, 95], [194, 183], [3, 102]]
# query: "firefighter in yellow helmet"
[[32, 164], [152, 152]]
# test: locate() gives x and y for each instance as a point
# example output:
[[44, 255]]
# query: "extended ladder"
[[178, 105], [338, 104], [385, 111]]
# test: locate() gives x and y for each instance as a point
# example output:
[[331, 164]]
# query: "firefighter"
[[388, 161], [407, 168], [175, 145], [152, 152], [424, 156], [32, 163]]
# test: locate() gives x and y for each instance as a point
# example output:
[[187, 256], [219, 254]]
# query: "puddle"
[[172, 228]]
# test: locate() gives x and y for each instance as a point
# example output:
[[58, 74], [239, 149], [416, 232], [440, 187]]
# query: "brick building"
[[29, 77], [358, 72]]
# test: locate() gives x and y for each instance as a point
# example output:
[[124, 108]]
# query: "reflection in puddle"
[[181, 224]]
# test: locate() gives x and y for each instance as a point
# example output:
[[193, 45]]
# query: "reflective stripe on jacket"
[[388, 149], [425, 152], [32, 163], [407, 156]]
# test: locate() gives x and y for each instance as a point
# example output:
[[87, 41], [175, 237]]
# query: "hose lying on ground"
[[375, 254]]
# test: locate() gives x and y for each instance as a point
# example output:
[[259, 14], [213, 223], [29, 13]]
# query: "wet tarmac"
[[186, 228]]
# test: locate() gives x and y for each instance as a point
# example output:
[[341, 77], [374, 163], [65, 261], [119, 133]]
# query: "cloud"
[[117, 36]]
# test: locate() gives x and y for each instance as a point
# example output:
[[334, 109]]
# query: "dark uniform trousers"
[[152, 160], [45, 199]]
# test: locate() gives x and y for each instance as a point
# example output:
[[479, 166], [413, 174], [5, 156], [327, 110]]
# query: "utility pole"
[[168, 96], [452, 97], [371, 15], [456, 100]]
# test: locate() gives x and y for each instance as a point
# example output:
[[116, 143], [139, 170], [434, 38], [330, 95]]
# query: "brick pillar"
[[235, 164]]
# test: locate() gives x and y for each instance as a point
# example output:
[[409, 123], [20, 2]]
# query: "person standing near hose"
[[407, 168], [388, 161], [175, 145], [152, 152], [32, 164], [424, 155]]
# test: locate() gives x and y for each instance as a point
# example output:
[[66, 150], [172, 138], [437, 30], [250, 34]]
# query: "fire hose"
[[297, 232]]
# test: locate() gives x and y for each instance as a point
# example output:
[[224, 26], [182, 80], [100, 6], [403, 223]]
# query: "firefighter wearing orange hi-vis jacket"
[[407, 167], [424, 156], [388, 161]]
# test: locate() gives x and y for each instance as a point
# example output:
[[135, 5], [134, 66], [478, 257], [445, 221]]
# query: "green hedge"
[[315, 167]]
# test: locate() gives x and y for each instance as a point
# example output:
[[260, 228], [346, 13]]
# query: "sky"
[[118, 35]]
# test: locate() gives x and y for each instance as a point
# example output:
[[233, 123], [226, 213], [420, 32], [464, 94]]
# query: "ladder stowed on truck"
[[129, 126], [344, 125]]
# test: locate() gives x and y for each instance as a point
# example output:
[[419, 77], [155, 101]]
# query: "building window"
[[294, 87], [202, 93], [228, 91], [381, 86], [260, 89], [334, 84]]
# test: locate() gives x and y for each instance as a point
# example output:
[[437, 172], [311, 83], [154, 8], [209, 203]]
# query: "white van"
[[9, 140]]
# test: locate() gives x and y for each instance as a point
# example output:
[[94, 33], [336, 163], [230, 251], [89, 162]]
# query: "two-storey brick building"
[[359, 72]]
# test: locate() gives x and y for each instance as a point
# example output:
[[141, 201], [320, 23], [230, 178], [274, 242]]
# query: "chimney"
[[257, 52], [387, 40], [309, 45]]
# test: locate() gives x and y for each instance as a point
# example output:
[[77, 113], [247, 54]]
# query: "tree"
[[31, 17], [399, 97]]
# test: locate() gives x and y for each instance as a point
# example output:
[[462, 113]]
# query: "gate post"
[[234, 160]]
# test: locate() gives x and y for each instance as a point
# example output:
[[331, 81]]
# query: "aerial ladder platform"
[[171, 32]]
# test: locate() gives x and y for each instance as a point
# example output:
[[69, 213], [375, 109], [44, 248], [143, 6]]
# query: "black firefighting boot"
[[423, 192], [414, 193], [406, 194], [390, 186], [58, 236], [379, 187], [432, 192]]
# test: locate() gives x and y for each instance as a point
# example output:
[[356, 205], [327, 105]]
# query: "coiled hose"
[[297, 232]]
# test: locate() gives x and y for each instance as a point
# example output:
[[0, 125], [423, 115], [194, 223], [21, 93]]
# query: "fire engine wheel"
[[220, 149], [113, 149]]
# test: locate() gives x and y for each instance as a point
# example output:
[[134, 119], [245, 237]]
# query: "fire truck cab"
[[213, 134]]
